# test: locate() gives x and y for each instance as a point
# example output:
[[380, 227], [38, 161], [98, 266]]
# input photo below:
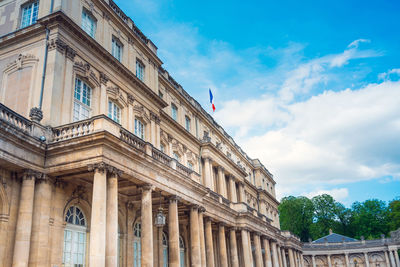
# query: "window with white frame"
[[139, 128], [116, 49], [162, 148], [140, 70], [190, 165], [82, 100], [187, 123], [88, 23], [29, 13], [114, 112], [174, 112], [176, 156], [74, 238]]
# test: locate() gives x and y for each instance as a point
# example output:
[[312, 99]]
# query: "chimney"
[[330, 231]]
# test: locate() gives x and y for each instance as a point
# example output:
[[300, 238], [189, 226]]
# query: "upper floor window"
[[29, 13], [82, 99], [88, 23], [140, 70], [190, 165], [176, 156], [139, 128], [187, 123], [162, 148], [114, 112], [116, 49], [174, 112], [160, 94]]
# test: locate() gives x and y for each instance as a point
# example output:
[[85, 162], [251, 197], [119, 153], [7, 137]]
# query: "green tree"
[[296, 215], [324, 215], [394, 214], [370, 219], [343, 221]]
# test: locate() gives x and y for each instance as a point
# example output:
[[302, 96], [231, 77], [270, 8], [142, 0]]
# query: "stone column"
[[242, 196], [387, 259], [365, 257], [24, 222], [97, 245], [396, 257], [284, 261], [257, 244], [152, 131], [267, 255], [291, 258], [233, 248], [173, 231], [159, 246], [222, 246], [245, 246], [39, 250], [112, 218], [221, 182], [329, 260], [158, 132], [202, 241], [209, 244], [207, 174], [275, 255], [346, 255], [313, 261], [232, 184], [301, 260], [250, 248], [194, 237], [147, 226]]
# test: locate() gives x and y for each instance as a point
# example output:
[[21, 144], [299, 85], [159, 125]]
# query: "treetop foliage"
[[312, 218]]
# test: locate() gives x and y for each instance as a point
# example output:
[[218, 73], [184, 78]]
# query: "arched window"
[[181, 252], [137, 251], [74, 238], [165, 249]]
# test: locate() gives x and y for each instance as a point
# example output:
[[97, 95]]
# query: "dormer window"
[[29, 14]]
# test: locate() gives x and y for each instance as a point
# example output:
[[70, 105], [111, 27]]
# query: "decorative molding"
[[103, 78], [100, 167], [36, 114], [147, 187], [116, 94], [70, 53], [57, 43], [20, 62], [84, 70], [131, 99], [30, 174]]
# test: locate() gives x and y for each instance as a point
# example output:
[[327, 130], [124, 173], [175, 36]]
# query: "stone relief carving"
[[21, 61]]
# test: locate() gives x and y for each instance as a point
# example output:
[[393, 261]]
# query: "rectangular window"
[[139, 70], [187, 123], [160, 94], [190, 166], [29, 14], [176, 156], [116, 49], [82, 98], [88, 24], [139, 129], [114, 112], [162, 148], [174, 112]]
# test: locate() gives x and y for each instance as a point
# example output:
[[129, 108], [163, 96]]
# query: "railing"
[[16, 120], [76, 129], [182, 169], [132, 140], [160, 156]]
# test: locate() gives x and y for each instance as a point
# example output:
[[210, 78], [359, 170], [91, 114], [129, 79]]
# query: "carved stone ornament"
[[35, 114], [103, 78], [30, 174], [79, 192], [100, 167], [20, 61], [58, 44], [131, 99], [70, 53]]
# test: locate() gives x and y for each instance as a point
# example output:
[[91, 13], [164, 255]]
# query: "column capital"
[[220, 168], [114, 171], [103, 78], [147, 187], [194, 207], [99, 167], [174, 198], [60, 183], [29, 174], [202, 209], [44, 178], [207, 159]]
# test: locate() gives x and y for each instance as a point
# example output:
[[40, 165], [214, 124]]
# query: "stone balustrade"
[[76, 129], [15, 120]]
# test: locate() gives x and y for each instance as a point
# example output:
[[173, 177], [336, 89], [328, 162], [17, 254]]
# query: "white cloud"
[[339, 194], [356, 43], [386, 75]]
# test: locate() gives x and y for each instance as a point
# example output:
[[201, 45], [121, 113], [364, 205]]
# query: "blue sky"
[[312, 88]]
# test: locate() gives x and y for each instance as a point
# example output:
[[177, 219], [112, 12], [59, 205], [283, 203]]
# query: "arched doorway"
[[74, 238]]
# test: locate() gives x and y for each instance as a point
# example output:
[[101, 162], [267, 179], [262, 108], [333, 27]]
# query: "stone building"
[[335, 250], [105, 160]]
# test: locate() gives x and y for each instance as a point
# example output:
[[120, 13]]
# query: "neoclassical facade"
[[339, 251], [105, 160]]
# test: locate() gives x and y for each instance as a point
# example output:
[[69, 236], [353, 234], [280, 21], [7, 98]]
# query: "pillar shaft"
[[396, 257], [232, 184], [209, 244], [245, 247], [346, 258], [222, 246], [284, 261], [173, 230], [329, 260], [233, 248], [257, 244], [24, 222], [242, 196], [222, 182], [207, 174], [194, 237], [147, 227], [387, 259], [313, 261], [291, 258], [274, 255], [267, 255], [366, 259], [98, 229], [202, 241], [392, 262], [112, 221]]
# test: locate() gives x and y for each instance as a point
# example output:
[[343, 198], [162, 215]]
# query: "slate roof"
[[334, 238]]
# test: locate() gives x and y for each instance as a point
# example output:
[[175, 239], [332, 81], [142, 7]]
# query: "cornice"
[[70, 26]]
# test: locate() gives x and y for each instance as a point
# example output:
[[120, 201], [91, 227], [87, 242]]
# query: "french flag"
[[211, 100]]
